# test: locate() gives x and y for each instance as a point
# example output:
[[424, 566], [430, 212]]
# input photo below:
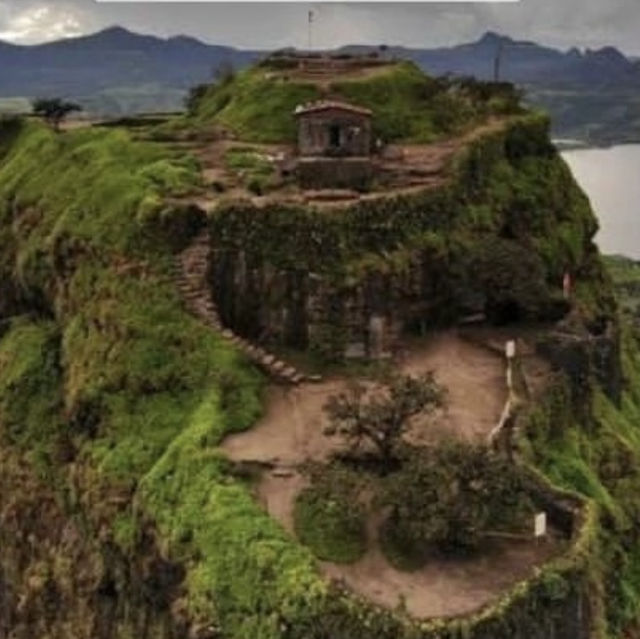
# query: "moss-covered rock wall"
[[498, 239], [120, 516]]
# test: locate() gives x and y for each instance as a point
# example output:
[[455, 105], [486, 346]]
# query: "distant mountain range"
[[593, 95], [111, 58], [525, 63]]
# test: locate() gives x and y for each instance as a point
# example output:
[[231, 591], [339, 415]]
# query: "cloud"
[[39, 23]]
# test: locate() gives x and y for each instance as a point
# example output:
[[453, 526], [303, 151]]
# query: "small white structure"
[[540, 525]]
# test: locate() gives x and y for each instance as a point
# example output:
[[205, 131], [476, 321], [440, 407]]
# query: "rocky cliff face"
[[490, 239], [62, 575]]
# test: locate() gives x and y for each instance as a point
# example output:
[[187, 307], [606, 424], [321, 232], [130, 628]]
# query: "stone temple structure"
[[334, 145]]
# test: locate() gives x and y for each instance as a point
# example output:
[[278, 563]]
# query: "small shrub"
[[328, 518], [256, 186]]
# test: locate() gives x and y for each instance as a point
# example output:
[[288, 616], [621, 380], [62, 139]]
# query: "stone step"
[[260, 352], [206, 303], [289, 372], [190, 269]]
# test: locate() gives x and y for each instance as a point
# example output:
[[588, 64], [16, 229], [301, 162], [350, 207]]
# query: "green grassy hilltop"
[[114, 400], [256, 104]]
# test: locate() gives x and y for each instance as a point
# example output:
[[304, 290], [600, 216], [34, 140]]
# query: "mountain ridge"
[[593, 94], [524, 61]]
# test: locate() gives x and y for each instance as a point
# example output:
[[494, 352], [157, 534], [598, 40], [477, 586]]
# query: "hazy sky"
[[562, 23]]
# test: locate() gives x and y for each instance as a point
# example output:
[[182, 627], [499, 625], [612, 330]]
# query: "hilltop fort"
[[209, 326]]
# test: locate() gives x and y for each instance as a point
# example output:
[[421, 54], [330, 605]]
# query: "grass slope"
[[257, 104], [141, 392], [107, 369]]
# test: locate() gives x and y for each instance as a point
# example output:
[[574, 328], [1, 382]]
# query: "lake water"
[[611, 179]]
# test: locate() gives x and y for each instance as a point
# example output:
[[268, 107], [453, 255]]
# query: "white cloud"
[[38, 24]]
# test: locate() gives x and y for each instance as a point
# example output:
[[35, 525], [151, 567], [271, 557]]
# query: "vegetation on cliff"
[[104, 373], [498, 238], [118, 399]]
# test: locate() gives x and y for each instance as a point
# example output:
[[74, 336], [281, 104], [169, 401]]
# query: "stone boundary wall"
[[563, 509]]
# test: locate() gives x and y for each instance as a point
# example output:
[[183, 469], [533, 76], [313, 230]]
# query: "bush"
[[328, 518], [512, 279], [254, 168], [445, 499]]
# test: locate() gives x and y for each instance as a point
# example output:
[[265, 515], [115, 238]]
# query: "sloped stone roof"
[[324, 105]]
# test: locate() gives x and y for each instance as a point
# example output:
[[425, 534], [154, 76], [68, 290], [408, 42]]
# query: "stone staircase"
[[191, 277]]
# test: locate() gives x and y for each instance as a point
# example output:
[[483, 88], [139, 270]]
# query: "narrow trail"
[[191, 279]]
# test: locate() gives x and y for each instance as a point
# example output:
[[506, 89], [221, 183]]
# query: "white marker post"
[[510, 351], [540, 525]]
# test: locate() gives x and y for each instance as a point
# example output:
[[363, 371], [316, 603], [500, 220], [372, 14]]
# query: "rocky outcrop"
[[586, 356]]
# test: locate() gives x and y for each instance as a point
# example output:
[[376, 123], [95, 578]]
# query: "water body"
[[611, 179]]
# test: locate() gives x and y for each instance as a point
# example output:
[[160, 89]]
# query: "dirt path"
[[290, 433], [444, 588]]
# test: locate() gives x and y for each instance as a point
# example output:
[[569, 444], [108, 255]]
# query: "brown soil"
[[444, 587], [401, 169], [291, 432]]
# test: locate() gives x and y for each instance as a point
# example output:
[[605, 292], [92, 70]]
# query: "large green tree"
[[380, 416], [447, 498]]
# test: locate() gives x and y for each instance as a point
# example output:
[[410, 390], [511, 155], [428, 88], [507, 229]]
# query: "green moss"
[[143, 390], [330, 524], [30, 392], [502, 233], [256, 171], [198, 507], [600, 461], [94, 184]]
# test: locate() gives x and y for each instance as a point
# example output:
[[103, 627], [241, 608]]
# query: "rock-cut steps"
[[191, 277]]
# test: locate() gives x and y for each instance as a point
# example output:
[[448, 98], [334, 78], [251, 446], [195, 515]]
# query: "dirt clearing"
[[291, 433]]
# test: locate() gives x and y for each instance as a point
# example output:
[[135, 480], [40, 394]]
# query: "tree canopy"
[[383, 416], [447, 497], [54, 110]]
